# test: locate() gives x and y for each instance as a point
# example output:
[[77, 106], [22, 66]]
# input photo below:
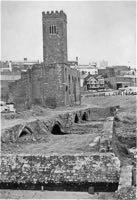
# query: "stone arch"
[[57, 129], [25, 131], [85, 116], [76, 119]]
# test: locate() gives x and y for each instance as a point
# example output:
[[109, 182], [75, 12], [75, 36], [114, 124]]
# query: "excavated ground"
[[75, 143], [49, 143], [69, 143]]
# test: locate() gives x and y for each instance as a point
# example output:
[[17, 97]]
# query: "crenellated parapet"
[[54, 14]]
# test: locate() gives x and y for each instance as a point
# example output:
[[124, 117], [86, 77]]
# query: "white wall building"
[[90, 68]]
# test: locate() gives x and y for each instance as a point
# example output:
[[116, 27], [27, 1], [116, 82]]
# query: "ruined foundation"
[[71, 169]]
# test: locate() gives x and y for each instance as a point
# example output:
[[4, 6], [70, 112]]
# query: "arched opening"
[[85, 116], [56, 130], [25, 131], [76, 119]]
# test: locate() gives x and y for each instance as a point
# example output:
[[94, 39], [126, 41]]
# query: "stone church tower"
[[54, 37], [54, 82], [62, 83]]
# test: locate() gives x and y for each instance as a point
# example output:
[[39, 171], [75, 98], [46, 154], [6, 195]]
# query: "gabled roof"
[[99, 76], [87, 77], [91, 78]]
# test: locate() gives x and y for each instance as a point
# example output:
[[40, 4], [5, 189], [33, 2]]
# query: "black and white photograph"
[[68, 89]]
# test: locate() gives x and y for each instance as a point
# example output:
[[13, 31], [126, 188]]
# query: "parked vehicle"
[[6, 107], [2, 106], [131, 90], [128, 90], [10, 107]]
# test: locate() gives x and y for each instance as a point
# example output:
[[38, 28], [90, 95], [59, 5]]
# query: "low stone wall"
[[106, 137], [125, 129], [123, 138], [102, 113], [59, 168], [125, 176]]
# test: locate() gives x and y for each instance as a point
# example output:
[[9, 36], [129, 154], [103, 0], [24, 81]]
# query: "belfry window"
[[52, 29]]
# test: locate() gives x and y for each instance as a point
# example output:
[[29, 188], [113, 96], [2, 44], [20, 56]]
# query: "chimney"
[[77, 60]]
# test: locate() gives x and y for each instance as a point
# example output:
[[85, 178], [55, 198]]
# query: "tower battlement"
[[54, 14], [54, 37]]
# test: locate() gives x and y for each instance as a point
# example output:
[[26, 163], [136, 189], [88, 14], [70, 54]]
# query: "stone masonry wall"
[[53, 87], [59, 168], [45, 85], [54, 45], [37, 84], [72, 82], [101, 113], [20, 91]]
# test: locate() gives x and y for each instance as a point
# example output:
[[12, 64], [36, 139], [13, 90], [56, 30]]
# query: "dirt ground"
[[16, 194]]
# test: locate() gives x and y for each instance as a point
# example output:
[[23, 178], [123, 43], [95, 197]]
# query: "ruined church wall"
[[47, 86], [37, 84], [20, 92], [72, 84], [75, 86]]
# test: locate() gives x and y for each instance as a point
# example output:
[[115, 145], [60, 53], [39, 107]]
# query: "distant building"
[[126, 81], [107, 72], [16, 66], [120, 69], [129, 72], [119, 76], [90, 68], [5, 66], [94, 83], [23, 65], [109, 75]]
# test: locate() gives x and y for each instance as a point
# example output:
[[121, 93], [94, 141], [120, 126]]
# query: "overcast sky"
[[96, 30]]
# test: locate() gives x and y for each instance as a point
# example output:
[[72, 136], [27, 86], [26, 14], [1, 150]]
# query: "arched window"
[[52, 29]]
